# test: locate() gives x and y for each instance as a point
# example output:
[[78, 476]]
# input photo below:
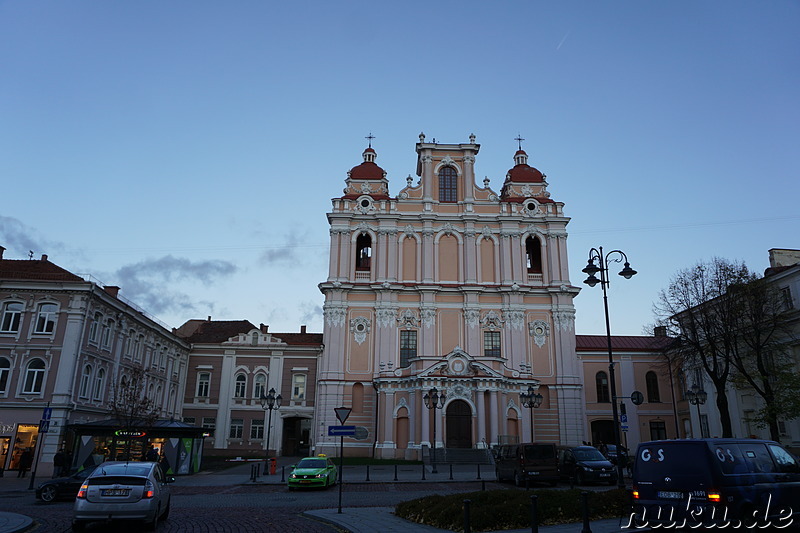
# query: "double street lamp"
[[434, 400], [614, 256], [268, 403], [532, 400], [697, 396]]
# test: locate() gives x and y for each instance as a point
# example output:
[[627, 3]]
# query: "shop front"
[[14, 440], [178, 447]]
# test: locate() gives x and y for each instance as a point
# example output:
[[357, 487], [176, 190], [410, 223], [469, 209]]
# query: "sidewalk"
[[10, 483]]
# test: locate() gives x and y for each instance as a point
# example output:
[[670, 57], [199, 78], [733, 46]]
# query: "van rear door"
[[671, 472]]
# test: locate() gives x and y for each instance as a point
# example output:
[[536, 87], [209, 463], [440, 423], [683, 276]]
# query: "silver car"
[[120, 490]]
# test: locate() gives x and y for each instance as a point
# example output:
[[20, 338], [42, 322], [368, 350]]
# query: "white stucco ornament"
[[428, 315], [539, 330], [408, 319], [360, 327], [386, 317]]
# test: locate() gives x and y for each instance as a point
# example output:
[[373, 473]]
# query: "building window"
[[533, 255], [363, 252], [86, 378], [94, 328], [240, 388], [786, 298], [299, 387], [448, 185], [108, 330], [408, 346], [704, 431], [137, 348], [260, 388], [256, 429], [12, 313], [5, 369], [190, 420], [491, 344], [99, 381], [34, 377], [601, 382], [209, 422], [658, 430], [129, 344], [203, 384], [46, 318], [651, 381], [237, 428]]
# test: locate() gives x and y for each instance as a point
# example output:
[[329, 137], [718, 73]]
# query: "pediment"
[[459, 363]]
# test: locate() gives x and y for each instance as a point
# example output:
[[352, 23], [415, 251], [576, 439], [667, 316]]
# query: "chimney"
[[208, 319], [112, 290], [660, 331], [2, 249], [302, 329], [44, 257], [264, 328]]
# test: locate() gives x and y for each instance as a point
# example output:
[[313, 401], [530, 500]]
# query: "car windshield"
[[588, 454], [123, 470], [311, 463], [538, 451]]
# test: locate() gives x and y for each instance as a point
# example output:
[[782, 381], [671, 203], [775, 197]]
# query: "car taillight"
[[82, 491], [714, 497], [149, 490]]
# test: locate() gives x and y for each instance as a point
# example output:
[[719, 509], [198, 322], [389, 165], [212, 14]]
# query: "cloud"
[[311, 313], [286, 253], [20, 239], [148, 283]]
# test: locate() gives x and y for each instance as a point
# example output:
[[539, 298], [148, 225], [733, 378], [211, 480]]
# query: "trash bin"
[[273, 466]]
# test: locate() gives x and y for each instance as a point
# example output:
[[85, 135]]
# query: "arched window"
[[363, 252], [159, 399], [130, 344], [533, 255], [34, 377], [299, 387], [260, 388], [46, 318], [358, 398], [254, 338], [601, 381], [108, 333], [12, 313], [86, 378], [5, 369], [240, 388], [99, 381], [448, 185], [94, 328], [651, 381], [137, 348]]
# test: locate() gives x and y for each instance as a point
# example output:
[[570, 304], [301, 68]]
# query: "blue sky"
[[188, 151]]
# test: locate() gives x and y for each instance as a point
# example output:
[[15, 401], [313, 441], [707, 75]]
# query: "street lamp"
[[268, 403], [434, 400], [614, 256], [697, 396], [532, 400]]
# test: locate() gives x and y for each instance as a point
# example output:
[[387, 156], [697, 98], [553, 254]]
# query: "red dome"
[[366, 171], [525, 174]]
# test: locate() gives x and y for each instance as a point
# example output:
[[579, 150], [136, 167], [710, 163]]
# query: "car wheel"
[[48, 493], [579, 480], [151, 525], [78, 526], [165, 514]]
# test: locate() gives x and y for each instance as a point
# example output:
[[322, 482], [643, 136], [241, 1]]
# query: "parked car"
[[316, 471], [119, 490], [613, 455], [62, 488], [535, 462], [585, 464], [744, 479]]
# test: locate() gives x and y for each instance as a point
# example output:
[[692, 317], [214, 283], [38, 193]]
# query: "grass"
[[510, 509]]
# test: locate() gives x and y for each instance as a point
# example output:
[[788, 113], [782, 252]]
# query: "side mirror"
[[170, 479], [292, 466]]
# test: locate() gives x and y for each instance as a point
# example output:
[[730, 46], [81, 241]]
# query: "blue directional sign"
[[48, 411], [623, 419], [341, 431]]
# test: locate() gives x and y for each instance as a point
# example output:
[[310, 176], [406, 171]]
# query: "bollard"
[[367, 473], [467, 528], [585, 512], [483, 484], [534, 514], [479, 470], [423, 471], [451, 471], [258, 469], [395, 472], [283, 479]]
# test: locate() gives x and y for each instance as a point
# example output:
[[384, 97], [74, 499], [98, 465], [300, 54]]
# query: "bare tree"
[[704, 322], [131, 407]]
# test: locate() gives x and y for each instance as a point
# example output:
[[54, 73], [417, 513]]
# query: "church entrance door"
[[459, 425]]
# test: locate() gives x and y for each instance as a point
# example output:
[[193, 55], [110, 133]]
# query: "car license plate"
[[669, 495], [533, 473], [116, 492], [305, 481], [605, 475]]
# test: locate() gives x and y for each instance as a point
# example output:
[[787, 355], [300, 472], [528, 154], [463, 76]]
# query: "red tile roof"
[[34, 270], [586, 343], [525, 174], [219, 331], [366, 171]]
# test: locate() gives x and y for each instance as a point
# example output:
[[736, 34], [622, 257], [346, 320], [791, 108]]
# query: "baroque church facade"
[[453, 286]]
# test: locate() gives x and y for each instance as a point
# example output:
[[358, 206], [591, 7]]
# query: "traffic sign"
[[48, 411], [44, 426], [624, 427], [341, 431], [342, 413], [623, 419]]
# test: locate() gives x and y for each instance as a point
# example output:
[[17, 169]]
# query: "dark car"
[[749, 481], [536, 462], [62, 488], [614, 455], [585, 464]]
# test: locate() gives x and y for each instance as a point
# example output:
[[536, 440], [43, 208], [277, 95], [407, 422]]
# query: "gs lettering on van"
[[648, 455], [724, 455]]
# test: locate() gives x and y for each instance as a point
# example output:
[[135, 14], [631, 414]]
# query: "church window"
[[533, 254], [363, 252], [601, 382], [448, 185], [408, 346], [491, 344]]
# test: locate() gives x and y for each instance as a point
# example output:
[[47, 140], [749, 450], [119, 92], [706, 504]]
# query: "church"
[[444, 305]]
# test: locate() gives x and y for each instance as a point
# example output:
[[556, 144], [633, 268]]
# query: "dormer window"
[[448, 185], [533, 254], [363, 252]]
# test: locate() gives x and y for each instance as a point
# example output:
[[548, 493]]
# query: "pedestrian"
[[25, 461], [58, 463], [152, 454]]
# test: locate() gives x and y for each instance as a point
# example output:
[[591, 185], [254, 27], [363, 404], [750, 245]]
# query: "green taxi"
[[313, 472]]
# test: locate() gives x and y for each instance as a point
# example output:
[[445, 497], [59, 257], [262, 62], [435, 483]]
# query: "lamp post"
[[614, 256], [434, 400], [268, 403], [697, 396], [532, 400]]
